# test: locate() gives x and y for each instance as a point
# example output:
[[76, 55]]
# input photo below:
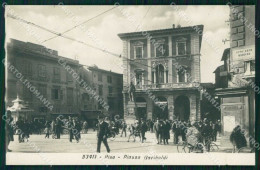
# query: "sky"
[[102, 31]]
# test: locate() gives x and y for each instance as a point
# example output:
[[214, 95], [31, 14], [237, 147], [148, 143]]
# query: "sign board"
[[246, 53], [229, 123], [223, 73]]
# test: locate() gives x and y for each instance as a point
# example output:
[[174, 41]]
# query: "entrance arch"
[[141, 110], [182, 108], [160, 108]]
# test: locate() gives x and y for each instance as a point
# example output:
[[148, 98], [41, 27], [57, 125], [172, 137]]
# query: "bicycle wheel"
[[244, 150], [214, 147], [112, 136], [181, 147], [200, 148]]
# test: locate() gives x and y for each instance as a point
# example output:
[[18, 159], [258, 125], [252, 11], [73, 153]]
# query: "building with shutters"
[[164, 66], [108, 86], [40, 67]]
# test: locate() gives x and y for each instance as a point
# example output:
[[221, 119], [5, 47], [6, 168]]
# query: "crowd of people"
[[203, 131]]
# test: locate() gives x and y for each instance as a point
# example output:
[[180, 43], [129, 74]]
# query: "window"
[[99, 77], [56, 74], [41, 70], [99, 106], [85, 97], [181, 76], [100, 90], [109, 79], [111, 104], [252, 65], [56, 93], [138, 51], [42, 89], [159, 72], [110, 90], [27, 68], [249, 67], [181, 48], [69, 77], [160, 50], [139, 78], [70, 96]]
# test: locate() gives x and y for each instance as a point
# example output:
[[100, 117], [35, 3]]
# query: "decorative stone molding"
[[162, 62], [138, 43]]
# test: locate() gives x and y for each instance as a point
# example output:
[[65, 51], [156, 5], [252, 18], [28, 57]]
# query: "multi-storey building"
[[164, 66], [40, 67], [108, 86], [237, 97]]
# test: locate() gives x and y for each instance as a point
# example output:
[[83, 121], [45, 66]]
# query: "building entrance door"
[[160, 109], [182, 108]]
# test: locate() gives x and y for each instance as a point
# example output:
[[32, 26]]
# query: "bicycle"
[[244, 150], [185, 147], [213, 146]]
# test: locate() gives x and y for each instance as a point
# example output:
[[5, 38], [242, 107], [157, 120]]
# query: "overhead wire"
[[68, 30], [81, 42]]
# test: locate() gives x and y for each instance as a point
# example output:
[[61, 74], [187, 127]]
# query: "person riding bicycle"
[[193, 135], [206, 134]]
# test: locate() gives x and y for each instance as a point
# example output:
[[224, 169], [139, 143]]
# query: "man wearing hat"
[[102, 134], [143, 129], [157, 130]]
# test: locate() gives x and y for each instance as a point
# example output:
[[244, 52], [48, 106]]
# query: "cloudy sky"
[[102, 31]]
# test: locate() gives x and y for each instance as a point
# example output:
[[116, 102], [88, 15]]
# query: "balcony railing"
[[165, 86]]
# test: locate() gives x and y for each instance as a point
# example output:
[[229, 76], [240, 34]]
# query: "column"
[[149, 106], [154, 77], [170, 73], [170, 45], [125, 101], [135, 79], [185, 76], [128, 63], [164, 76], [142, 80], [170, 107], [177, 77], [148, 61], [193, 106], [198, 114]]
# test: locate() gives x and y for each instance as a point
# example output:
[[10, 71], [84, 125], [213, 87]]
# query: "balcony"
[[165, 86]]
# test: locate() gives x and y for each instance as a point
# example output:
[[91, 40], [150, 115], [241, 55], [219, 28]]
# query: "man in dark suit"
[[143, 129], [58, 128], [69, 126], [102, 134]]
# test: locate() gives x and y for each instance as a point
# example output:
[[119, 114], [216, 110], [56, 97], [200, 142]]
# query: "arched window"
[[159, 74], [181, 76]]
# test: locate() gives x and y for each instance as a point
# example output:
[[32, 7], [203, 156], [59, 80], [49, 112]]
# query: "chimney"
[[173, 25]]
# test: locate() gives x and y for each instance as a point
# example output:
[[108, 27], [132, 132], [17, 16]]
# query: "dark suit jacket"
[[102, 130]]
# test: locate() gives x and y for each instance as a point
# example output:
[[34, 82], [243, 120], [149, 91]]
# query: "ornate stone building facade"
[[164, 65]]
